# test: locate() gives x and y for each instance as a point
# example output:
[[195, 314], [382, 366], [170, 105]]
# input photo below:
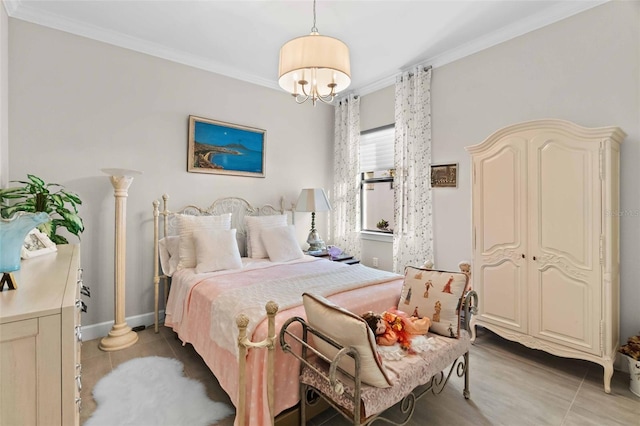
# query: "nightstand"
[[342, 258]]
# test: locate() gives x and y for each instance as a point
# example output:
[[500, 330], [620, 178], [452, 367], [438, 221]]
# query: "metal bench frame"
[[309, 356]]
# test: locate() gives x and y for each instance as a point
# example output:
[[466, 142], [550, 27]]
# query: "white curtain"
[[413, 234], [345, 209]]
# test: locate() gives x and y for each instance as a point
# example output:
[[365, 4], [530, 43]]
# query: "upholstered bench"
[[343, 366]]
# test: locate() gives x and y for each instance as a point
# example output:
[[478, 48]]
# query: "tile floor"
[[510, 385]]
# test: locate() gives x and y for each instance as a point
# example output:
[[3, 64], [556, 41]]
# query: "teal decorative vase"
[[13, 231]]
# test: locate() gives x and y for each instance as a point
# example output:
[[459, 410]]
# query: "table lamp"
[[313, 200]]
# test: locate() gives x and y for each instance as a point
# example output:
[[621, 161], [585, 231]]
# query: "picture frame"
[[36, 244], [224, 148], [444, 175]]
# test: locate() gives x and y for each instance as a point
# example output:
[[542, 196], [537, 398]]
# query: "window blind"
[[376, 150]]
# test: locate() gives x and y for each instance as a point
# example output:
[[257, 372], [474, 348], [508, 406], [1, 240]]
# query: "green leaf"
[[46, 228], [12, 190], [12, 195], [59, 239], [36, 180], [57, 200], [73, 222], [73, 198]]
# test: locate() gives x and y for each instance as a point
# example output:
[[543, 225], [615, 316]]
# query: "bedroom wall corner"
[[4, 97]]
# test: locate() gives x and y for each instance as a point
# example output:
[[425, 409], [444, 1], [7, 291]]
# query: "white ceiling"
[[242, 38]]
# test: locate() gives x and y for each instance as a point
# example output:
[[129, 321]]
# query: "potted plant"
[[383, 225], [632, 352], [34, 195]]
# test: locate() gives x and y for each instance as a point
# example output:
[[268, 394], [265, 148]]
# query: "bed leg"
[[303, 404], [272, 309], [466, 393], [156, 268], [242, 321]]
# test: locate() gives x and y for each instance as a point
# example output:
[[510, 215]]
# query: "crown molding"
[[561, 11], [20, 9]]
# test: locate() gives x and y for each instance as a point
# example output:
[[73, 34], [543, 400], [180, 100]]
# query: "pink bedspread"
[[194, 322]]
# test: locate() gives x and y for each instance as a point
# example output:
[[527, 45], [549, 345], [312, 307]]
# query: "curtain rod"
[[426, 68], [346, 98]]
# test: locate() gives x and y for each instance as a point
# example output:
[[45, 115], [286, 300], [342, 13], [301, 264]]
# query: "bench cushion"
[[348, 329], [406, 374]]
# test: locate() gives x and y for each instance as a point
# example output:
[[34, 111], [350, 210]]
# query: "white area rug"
[[153, 391]]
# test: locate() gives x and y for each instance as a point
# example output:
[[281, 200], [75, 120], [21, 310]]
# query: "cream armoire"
[[545, 198]]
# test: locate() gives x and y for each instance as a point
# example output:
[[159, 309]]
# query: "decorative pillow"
[[255, 225], [188, 225], [348, 329], [169, 248], [281, 243], [436, 295], [216, 251]]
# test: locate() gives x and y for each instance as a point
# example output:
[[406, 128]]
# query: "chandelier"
[[314, 67]]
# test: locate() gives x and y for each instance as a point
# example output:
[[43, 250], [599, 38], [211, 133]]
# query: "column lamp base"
[[118, 338]]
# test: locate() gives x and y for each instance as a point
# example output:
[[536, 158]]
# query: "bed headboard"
[[238, 207]]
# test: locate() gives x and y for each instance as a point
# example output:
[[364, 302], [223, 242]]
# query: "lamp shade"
[[313, 200], [321, 61]]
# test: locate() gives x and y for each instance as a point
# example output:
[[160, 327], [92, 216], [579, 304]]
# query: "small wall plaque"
[[444, 175]]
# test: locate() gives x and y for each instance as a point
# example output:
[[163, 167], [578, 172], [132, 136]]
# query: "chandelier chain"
[[314, 29]]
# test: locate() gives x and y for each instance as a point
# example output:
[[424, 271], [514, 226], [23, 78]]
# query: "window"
[[376, 179]]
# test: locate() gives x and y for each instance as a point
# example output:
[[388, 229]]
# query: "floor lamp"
[[121, 336]]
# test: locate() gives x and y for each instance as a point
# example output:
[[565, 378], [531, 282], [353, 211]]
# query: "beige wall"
[[78, 105], [4, 97], [584, 69]]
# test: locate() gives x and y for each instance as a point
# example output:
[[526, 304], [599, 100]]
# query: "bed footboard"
[[244, 343]]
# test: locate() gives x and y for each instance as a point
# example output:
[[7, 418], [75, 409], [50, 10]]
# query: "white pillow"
[[281, 243], [169, 248], [188, 225], [216, 251], [255, 225], [348, 329]]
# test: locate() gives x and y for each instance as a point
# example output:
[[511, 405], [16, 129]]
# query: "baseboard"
[[95, 331]]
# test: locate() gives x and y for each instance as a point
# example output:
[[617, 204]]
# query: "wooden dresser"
[[40, 342]]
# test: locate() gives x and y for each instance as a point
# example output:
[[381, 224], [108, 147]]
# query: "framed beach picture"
[[225, 148]]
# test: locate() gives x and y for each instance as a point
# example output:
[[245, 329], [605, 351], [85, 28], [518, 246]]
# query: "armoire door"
[[500, 236], [564, 240]]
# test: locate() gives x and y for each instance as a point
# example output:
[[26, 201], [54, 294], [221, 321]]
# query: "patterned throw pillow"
[[436, 295]]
